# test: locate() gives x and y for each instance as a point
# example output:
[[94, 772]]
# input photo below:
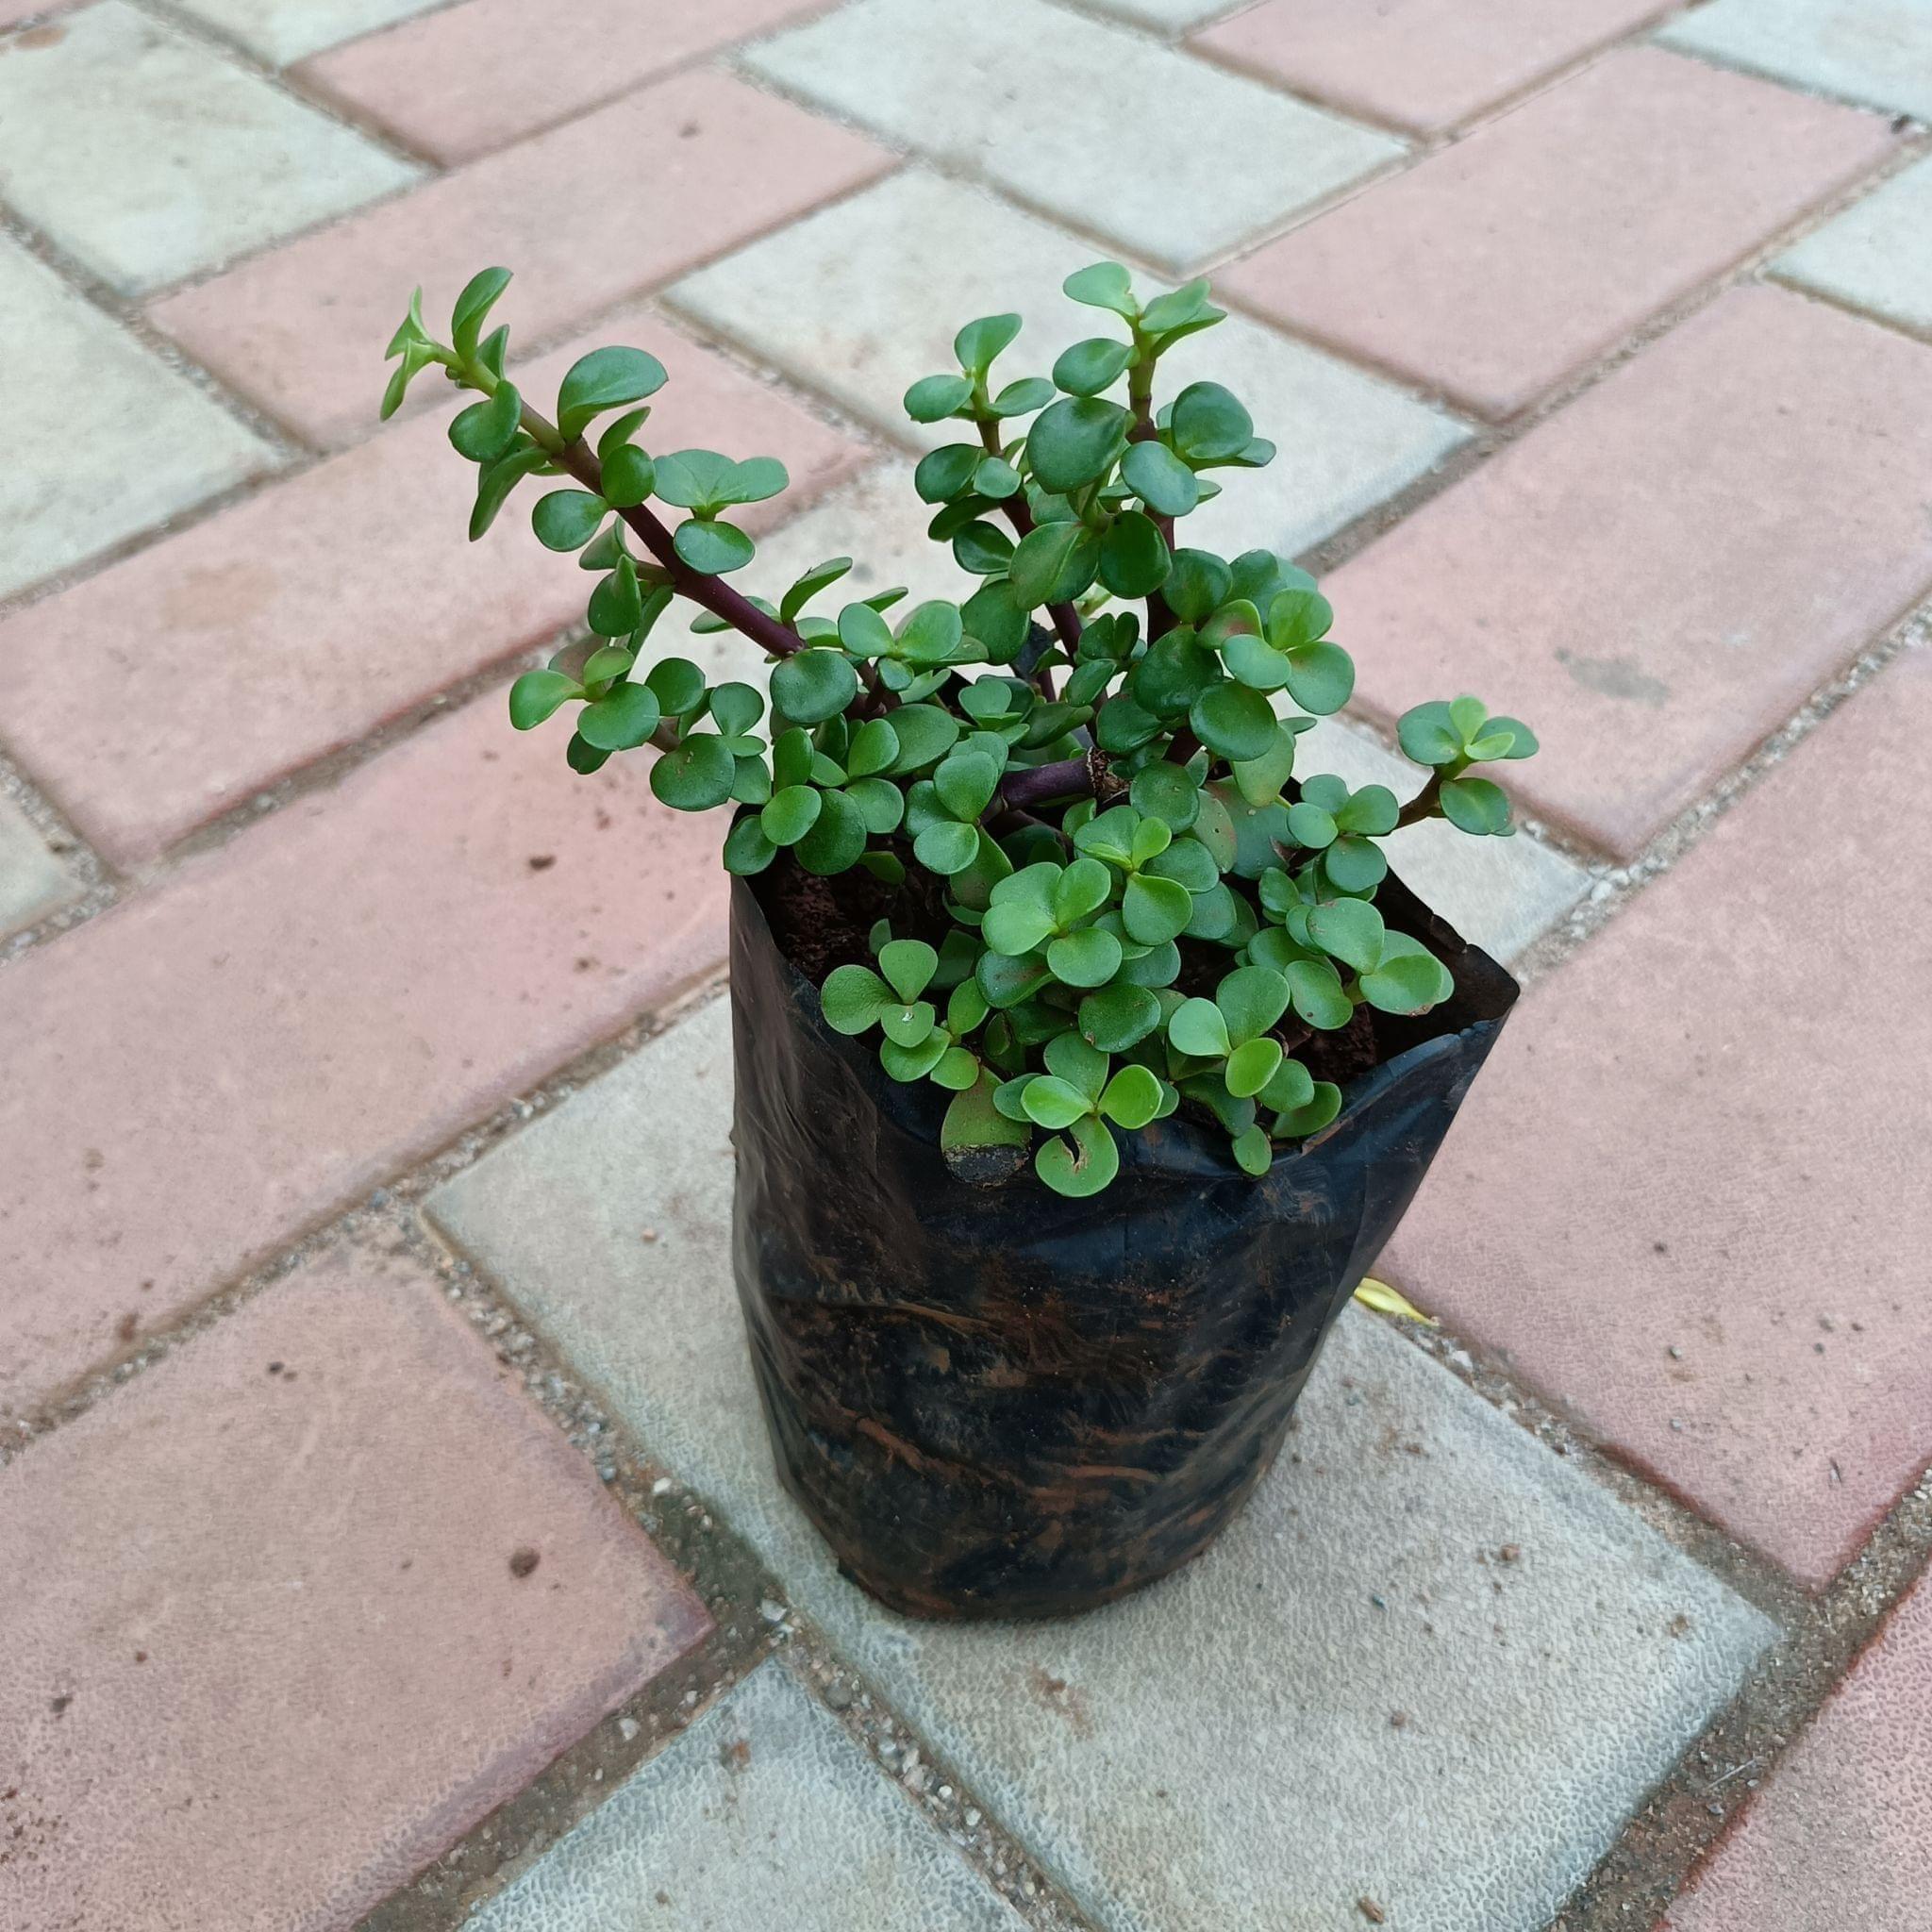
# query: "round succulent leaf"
[[696, 775], [1251, 1066], [1089, 957], [608, 661], [1132, 1097], [486, 431], [1310, 827], [1289, 1086], [1176, 308], [931, 634], [908, 966], [629, 477], [1021, 398], [567, 519], [1354, 864], [679, 685], [933, 398], [1408, 979], [1209, 423], [944, 473], [965, 782], [1251, 999], [478, 296], [618, 431], [495, 481], [979, 343], [1133, 556], [1198, 583], [1216, 916], [880, 803], [1158, 966], [1155, 910], [1428, 734], [1255, 664], [1092, 365], [1350, 930], [1072, 442], [1314, 987], [1321, 677], [996, 479], [907, 1064], [584, 759], [814, 685], [712, 547], [835, 842], [1006, 981], [1233, 722], [790, 814], [621, 721], [1083, 1165], [1054, 562], [605, 379], [1168, 793], [1259, 780], [1476, 805], [1104, 285], [537, 694], [982, 549], [1298, 615], [946, 847], [757, 479], [736, 708], [1118, 1017], [1522, 741], [1372, 811], [1161, 480], [995, 619], [1253, 1152], [1076, 1063], [752, 784], [1197, 1027], [1187, 860], [1053, 1103], [909, 1023], [1295, 1124], [746, 848], [1084, 888], [925, 735], [1122, 726]]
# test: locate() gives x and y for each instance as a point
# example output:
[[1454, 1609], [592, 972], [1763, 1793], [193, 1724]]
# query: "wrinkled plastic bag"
[[998, 1402]]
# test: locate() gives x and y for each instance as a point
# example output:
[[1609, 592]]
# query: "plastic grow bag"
[[994, 1401]]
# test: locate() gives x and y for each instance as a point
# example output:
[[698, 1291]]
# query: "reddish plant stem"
[[1427, 804], [1083, 777]]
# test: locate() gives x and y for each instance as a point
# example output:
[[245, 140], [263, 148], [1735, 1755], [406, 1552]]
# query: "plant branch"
[[1427, 804], [1087, 776], [1161, 620], [1066, 620]]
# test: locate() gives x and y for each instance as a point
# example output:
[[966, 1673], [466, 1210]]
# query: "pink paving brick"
[[1658, 576], [1419, 64], [330, 604], [266, 1653], [1841, 1836], [602, 207], [1686, 1198], [1498, 266], [472, 77], [216, 1064]]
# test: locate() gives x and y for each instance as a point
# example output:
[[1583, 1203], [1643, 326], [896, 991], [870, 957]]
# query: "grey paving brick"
[[1173, 158], [763, 1815], [1874, 51], [1503, 893], [1355, 1694], [856, 302], [103, 439], [1876, 256], [33, 882], [1175, 16], [148, 157], [284, 30]]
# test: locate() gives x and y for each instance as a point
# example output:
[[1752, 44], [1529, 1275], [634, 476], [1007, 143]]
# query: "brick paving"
[[1595, 340]]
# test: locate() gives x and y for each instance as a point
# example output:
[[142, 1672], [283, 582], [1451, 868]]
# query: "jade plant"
[[1112, 893]]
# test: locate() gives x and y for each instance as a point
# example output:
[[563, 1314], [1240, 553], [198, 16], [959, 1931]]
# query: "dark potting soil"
[[822, 923]]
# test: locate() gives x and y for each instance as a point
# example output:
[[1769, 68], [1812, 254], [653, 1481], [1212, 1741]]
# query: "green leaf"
[[1251, 1066], [1523, 742], [930, 635], [808, 587], [736, 708], [1252, 1151], [1315, 989], [1053, 1103], [1167, 792], [712, 547], [1085, 1166], [1310, 827], [1089, 957], [1351, 930], [1372, 811], [1289, 1086], [1161, 480], [1321, 677], [1074, 441], [944, 474], [974, 1121], [696, 776], [1084, 888], [1408, 978], [1132, 1097], [1353, 864], [479, 297], [1259, 780], [617, 605], [946, 847], [536, 693], [1251, 999], [1091, 366], [790, 814], [1021, 398], [629, 477], [608, 661], [994, 616], [1118, 1017], [1123, 725], [908, 966], [616, 433], [833, 844], [814, 685], [957, 1070], [1196, 1026], [925, 735], [1233, 722], [1295, 1123], [567, 519], [1133, 556], [1054, 562], [983, 549], [996, 478], [1185, 308], [495, 483], [880, 803], [966, 781], [909, 1063], [1478, 806], [1428, 734], [485, 431], [1197, 585], [1154, 909], [679, 685], [908, 1024], [1298, 615], [873, 747], [584, 759], [1105, 285], [1209, 423], [864, 632], [605, 379], [933, 398], [979, 343], [746, 848], [621, 722], [854, 999]]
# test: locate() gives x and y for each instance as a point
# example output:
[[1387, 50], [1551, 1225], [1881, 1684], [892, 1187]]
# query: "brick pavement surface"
[[330, 925]]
